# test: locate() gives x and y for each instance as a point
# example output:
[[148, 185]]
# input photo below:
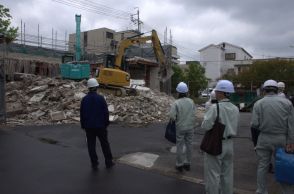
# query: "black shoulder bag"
[[212, 140], [170, 130]]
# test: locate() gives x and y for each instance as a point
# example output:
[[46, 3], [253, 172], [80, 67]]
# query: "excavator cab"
[[110, 75], [113, 77]]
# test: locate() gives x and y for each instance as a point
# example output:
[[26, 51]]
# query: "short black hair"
[[271, 89], [182, 95], [93, 89]]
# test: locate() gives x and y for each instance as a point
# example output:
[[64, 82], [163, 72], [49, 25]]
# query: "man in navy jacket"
[[94, 118]]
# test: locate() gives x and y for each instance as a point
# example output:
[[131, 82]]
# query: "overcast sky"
[[264, 28]]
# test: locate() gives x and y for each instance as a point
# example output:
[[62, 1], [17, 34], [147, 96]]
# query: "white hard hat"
[[270, 83], [281, 85], [92, 82], [182, 88], [225, 86]]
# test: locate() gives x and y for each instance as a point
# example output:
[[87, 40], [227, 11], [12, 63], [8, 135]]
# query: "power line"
[[102, 9], [96, 8], [175, 43]]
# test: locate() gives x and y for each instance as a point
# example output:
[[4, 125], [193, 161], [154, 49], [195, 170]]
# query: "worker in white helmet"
[[281, 88], [183, 113], [212, 100], [273, 116], [94, 119], [218, 170]]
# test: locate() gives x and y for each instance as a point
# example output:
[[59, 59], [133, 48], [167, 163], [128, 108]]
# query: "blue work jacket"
[[94, 112]]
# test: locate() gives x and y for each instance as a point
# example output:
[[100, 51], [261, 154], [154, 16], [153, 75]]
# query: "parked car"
[[206, 92]]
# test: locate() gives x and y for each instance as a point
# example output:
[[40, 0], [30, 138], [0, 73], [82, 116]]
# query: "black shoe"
[[110, 165], [187, 167], [179, 168]]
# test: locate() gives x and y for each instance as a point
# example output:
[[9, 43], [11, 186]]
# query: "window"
[[230, 56], [109, 35]]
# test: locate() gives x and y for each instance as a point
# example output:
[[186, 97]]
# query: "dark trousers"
[[91, 141]]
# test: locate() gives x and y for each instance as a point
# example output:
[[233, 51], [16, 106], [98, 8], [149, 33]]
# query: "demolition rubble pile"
[[37, 100]]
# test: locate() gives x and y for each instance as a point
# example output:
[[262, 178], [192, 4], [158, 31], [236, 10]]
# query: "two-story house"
[[223, 58]]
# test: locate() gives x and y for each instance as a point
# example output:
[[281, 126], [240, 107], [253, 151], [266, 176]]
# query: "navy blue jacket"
[[94, 112]]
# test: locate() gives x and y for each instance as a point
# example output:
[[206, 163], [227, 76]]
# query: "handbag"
[[170, 131], [212, 140]]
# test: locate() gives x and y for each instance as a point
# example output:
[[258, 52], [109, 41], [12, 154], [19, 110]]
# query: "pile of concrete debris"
[[38, 100]]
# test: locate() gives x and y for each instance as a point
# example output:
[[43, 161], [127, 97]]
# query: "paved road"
[[28, 165], [64, 163]]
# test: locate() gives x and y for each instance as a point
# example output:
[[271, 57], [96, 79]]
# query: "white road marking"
[[141, 159]]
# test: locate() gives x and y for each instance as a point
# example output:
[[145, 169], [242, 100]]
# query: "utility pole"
[[38, 35], [56, 40], [137, 21], [24, 33], [52, 39], [171, 38], [20, 31], [65, 36], [165, 36]]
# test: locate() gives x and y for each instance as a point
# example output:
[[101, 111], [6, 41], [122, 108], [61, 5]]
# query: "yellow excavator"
[[118, 79]]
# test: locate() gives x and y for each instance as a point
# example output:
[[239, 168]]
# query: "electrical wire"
[[96, 8], [105, 10]]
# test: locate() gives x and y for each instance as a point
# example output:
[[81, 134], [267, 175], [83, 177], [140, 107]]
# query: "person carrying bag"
[[220, 123], [212, 140], [273, 116], [183, 114], [170, 131]]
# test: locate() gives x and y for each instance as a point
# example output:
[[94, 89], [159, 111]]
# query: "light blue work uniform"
[[274, 117], [218, 170], [183, 111]]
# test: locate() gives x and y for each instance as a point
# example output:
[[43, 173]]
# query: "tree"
[[177, 77], [193, 76], [6, 30], [260, 71]]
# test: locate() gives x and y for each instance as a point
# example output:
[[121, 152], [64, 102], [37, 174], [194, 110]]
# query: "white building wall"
[[241, 57], [213, 59], [210, 59]]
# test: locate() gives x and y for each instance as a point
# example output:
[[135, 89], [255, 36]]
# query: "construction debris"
[[39, 100]]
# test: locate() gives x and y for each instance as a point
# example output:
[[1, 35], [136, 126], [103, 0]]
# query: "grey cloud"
[[263, 27]]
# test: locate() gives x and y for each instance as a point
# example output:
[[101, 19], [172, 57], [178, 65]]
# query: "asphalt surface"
[[40, 165], [54, 159]]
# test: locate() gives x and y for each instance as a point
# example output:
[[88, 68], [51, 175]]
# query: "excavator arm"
[[158, 50]]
